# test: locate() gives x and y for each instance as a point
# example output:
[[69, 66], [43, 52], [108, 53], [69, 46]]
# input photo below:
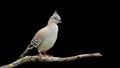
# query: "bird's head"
[[55, 18]]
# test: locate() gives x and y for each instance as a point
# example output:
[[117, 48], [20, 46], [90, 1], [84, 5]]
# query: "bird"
[[46, 37]]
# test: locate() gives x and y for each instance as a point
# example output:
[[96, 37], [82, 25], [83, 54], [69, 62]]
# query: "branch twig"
[[47, 59]]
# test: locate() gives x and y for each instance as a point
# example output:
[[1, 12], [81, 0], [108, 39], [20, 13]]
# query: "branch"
[[47, 59]]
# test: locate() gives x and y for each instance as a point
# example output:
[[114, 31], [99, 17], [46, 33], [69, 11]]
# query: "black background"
[[85, 28]]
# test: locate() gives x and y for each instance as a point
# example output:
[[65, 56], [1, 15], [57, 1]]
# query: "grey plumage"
[[45, 38]]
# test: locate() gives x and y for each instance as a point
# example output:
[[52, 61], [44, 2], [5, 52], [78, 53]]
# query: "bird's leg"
[[40, 54], [45, 54]]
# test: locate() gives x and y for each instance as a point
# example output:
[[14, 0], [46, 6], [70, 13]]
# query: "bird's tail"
[[26, 51]]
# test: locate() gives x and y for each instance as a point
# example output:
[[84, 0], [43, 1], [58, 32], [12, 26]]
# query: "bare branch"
[[47, 59]]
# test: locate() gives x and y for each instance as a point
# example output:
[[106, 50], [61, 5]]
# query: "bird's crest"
[[55, 18]]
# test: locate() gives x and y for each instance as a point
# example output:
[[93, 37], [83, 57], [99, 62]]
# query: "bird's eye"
[[55, 18]]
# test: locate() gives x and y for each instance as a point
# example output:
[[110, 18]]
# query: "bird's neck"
[[52, 26]]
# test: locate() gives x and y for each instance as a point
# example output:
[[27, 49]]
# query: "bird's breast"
[[49, 39]]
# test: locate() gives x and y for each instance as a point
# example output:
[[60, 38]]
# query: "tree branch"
[[47, 59]]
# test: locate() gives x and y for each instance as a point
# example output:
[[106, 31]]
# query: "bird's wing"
[[38, 38]]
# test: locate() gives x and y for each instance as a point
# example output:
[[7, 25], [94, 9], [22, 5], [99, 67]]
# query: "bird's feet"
[[40, 54], [43, 54]]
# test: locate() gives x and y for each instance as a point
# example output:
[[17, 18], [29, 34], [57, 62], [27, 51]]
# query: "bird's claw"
[[44, 55]]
